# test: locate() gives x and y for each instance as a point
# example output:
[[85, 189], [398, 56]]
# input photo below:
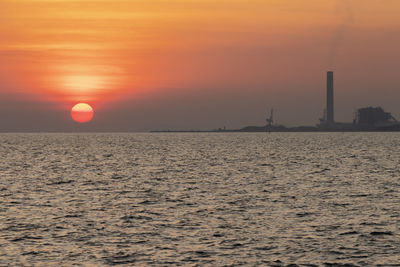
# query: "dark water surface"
[[200, 199]]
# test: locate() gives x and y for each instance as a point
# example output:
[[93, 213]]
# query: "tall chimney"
[[329, 98]]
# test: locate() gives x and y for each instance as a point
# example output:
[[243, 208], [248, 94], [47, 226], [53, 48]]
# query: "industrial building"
[[373, 117]]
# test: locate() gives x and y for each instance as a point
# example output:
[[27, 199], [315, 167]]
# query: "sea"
[[200, 199]]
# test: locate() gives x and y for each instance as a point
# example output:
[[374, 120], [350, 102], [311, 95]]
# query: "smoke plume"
[[344, 10]]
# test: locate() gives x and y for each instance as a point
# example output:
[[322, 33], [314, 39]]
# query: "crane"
[[270, 120]]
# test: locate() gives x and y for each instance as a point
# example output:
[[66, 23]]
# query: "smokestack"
[[329, 98]]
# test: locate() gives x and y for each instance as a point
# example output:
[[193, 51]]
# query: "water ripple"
[[279, 199]]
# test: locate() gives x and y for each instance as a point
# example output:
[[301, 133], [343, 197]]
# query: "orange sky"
[[102, 51]]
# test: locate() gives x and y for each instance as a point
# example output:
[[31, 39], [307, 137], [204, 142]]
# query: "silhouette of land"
[[339, 127]]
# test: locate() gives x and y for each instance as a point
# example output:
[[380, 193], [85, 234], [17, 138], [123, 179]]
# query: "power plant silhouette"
[[366, 119]]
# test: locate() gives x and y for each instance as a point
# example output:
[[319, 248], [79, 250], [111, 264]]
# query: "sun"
[[82, 113]]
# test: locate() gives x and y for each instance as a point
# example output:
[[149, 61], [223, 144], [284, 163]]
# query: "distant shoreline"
[[299, 129]]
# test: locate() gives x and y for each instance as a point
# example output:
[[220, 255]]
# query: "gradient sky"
[[193, 64]]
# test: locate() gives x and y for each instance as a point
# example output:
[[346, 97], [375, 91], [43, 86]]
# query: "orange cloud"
[[92, 50]]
